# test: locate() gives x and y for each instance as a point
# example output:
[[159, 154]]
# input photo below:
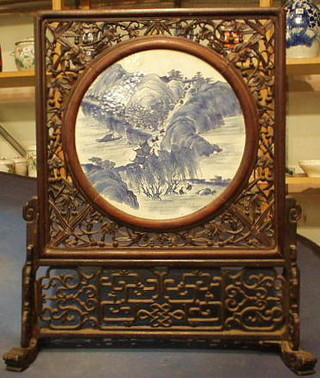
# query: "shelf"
[[297, 66], [17, 79], [10, 6], [16, 94], [300, 183], [312, 234], [303, 66]]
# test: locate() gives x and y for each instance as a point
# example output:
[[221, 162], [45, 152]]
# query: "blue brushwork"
[[202, 112], [163, 121], [109, 183], [302, 23]]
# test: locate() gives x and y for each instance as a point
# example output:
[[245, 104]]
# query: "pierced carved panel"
[[161, 298], [248, 44]]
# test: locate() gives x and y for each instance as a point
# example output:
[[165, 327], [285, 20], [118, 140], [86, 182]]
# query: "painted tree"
[[175, 75], [158, 176]]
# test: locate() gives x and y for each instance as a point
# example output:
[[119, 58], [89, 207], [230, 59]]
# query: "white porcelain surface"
[[32, 161], [304, 51], [6, 165], [302, 32], [21, 165], [24, 54], [310, 167]]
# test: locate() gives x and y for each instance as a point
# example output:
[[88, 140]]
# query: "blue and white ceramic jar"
[[302, 33]]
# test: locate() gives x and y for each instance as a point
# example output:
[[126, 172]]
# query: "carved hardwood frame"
[[113, 55], [227, 275]]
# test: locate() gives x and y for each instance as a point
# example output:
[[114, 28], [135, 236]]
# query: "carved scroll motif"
[[160, 298]]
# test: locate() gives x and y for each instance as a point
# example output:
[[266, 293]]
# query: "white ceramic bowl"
[[310, 167], [6, 165]]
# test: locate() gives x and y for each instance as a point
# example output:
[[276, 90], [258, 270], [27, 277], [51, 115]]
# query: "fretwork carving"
[[218, 300]]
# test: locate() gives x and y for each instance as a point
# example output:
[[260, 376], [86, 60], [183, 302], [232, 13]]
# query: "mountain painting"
[[160, 134]]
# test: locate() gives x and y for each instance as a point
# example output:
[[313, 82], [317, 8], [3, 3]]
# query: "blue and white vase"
[[302, 34]]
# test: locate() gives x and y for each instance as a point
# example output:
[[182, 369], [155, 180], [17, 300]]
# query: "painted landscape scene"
[[160, 134]]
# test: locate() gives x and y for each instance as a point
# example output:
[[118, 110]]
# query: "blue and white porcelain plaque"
[[160, 134]]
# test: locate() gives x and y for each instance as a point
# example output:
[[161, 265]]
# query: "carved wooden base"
[[18, 359], [299, 361]]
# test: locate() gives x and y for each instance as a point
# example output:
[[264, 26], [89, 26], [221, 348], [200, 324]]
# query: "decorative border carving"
[[125, 49], [250, 221]]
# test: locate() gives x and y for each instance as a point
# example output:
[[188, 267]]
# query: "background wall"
[[16, 117], [303, 142]]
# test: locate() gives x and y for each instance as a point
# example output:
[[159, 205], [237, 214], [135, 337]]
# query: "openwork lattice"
[[249, 221], [160, 298]]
